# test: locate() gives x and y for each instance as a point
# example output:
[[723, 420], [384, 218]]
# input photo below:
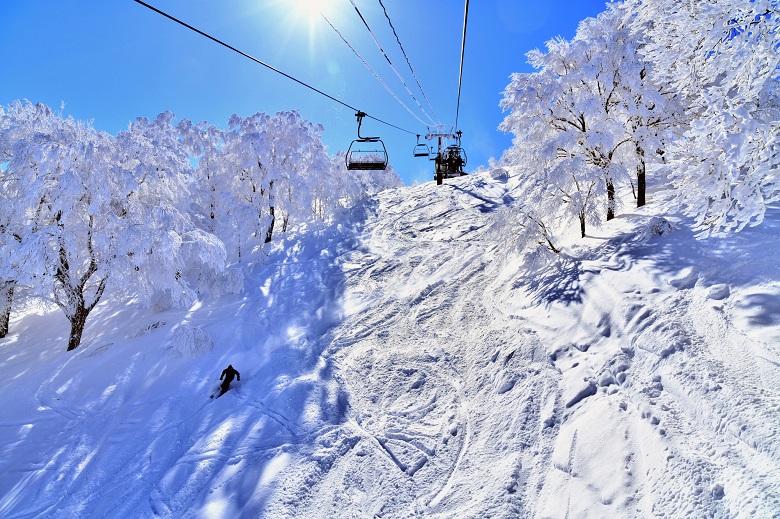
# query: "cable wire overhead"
[[390, 61], [212, 38], [372, 70], [398, 39], [462, 52]]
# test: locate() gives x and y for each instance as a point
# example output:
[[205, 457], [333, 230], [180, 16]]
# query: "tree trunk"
[[82, 310], [640, 177], [6, 296], [269, 234], [582, 224], [77, 322], [610, 200], [70, 288]]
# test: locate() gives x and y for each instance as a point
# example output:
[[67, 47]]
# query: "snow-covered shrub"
[[190, 341], [218, 283], [657, 226], [149, 328], [499, 174], [524, 238]]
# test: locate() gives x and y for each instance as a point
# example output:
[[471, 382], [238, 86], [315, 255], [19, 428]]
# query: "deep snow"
[[400, 363]]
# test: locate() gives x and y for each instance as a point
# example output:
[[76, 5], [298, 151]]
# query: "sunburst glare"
[[309, 8], [309, 12]]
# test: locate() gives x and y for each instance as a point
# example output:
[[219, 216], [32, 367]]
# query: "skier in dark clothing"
[[228, 374]]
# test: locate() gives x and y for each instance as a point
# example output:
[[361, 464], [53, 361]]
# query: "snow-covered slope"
[[401, 364]]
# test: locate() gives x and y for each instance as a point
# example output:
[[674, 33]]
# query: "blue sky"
[[111, 61]]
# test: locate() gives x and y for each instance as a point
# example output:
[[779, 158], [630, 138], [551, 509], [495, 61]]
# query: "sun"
[[301, 17], [310, 8], [311, 12]]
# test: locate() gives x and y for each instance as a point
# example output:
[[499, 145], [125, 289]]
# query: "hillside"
[[400, 363]]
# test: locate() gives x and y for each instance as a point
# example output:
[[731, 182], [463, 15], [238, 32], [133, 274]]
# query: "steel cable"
[[372, 70], [462, 52], [373, 36], [398, 39], [212, 38]]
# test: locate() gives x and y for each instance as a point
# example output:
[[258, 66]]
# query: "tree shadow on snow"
[[488, 205], [560, 282], [674, 254], [128, 417], [288, 397]]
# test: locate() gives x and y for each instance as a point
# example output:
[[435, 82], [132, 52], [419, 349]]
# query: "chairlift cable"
[[390, 61], [372, 70], [212, 38], [408, 62], [462, 52]]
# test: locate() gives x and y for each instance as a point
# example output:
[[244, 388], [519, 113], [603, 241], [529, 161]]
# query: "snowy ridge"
[[401, 363]]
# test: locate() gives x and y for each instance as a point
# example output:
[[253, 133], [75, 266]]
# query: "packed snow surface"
[[402, 363]]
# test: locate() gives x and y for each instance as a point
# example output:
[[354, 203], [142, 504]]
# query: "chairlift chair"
[[420, 149], [369, 153], [361, 158], [454, 160]]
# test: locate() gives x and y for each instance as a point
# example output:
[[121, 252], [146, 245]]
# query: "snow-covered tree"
[[6, 241], [202, 143], [644, 112], [717, 57], [246, 158], [297, 162], [584, 117], [10, 239], [12, 251], [22, 202], [95, 213], [85, 214], [58, 170], [267, 173], [160, 243]]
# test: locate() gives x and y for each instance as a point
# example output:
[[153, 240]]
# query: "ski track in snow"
[[400, 364]]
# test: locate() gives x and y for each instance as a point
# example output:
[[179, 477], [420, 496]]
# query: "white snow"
[[401, 363]]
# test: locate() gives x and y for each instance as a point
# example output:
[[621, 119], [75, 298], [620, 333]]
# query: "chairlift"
[[454, 159], [420, 149], [369, 153]]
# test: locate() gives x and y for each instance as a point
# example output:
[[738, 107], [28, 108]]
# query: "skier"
[[228, 374]]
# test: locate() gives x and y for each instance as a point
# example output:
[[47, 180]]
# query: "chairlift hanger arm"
[[360, 116]]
